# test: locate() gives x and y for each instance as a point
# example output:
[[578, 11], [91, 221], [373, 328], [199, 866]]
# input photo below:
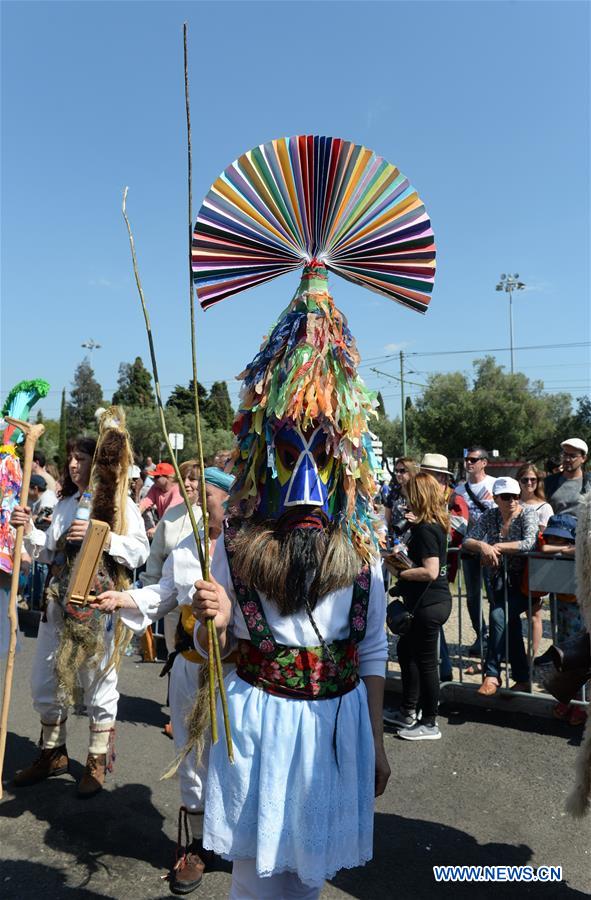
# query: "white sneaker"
[[420, 732]]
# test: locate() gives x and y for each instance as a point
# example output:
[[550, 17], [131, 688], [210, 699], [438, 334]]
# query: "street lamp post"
[[510, 283], [91, 345]]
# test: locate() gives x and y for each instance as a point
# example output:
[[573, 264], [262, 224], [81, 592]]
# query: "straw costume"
[[299, 563], [78, 649]]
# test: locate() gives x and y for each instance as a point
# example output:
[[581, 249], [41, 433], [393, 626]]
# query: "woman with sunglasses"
[[504, 530], [395, 507], [532, 494]]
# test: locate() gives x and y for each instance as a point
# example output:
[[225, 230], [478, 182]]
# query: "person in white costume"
[[96, 673], [140, 607]]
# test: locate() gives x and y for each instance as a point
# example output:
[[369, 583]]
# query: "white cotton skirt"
[[300, 794]]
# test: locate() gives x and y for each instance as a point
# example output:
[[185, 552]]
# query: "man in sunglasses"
[[477, 492], [564, 489]]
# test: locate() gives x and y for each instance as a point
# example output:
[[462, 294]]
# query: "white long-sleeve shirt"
[[131, 549], [180, 571], [173, 527]]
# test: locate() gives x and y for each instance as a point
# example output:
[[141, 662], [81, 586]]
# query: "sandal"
[[489, 686], [473, 669]]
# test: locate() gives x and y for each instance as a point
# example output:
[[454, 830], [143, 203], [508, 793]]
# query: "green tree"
[[145, 432], [181, 399], [134, 385], [499, 410], [380, 408], [85, 398], [49, 440], [63, 432], [219, 412]]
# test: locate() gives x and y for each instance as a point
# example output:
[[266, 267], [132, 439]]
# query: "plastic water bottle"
[[401, 555], [84, 504]]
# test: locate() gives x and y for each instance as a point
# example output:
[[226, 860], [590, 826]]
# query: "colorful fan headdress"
[[323, 204]]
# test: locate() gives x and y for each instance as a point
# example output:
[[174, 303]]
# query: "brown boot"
[[50, 762], [188, 872], [94, 777]]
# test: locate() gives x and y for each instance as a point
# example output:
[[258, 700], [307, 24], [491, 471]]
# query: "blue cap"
[[219, 478], [563, 526]]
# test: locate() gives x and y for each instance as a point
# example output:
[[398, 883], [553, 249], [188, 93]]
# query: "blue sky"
[[483, 105]]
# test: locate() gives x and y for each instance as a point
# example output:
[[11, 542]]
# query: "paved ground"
[[490, 793]]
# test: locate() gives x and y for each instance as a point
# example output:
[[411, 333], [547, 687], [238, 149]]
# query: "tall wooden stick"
[[32, 434], [160, 407], [213, 648]]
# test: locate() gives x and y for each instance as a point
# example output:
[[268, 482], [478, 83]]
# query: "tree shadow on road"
[[103, 834], [26, 880], [405, 851]]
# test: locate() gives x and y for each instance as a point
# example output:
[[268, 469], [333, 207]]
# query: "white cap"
[[578, 444], [506, 485], [133, 472]]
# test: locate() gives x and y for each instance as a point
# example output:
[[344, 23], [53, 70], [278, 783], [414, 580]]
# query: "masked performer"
[[138, 609], [77, 646], [297, 586]]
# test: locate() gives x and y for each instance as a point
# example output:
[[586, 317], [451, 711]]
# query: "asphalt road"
[[491, 792]]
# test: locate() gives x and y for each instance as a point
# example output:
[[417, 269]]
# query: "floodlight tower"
[[510, 283]]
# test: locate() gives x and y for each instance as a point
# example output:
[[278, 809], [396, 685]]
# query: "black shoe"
[[474, 650]]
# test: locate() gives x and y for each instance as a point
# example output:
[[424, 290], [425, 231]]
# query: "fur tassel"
[[583, 558], [578, 802]]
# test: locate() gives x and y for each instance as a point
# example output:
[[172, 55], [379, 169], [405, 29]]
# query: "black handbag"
[[399, 617]]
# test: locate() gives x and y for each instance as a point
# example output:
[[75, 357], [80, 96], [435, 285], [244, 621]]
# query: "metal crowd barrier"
[[551, 575]]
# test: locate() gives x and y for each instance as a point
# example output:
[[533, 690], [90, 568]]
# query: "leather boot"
[[50, 762], [187, 874], [94, 776]]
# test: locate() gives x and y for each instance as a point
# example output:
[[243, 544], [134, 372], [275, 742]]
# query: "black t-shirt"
[[427, 539]]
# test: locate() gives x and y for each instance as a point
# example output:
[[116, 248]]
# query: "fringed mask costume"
[[303, 524], [83, 635]]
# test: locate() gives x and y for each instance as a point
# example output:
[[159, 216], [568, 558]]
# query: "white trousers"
[[247, 885], [100, 688], [182, 692]]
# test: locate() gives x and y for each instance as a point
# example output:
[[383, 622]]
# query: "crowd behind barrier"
[[547, 575]]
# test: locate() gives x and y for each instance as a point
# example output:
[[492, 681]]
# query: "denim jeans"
[[474, 591], [516, 605], [445, 669]]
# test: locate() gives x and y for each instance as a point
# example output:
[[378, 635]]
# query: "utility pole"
[[402, 403], [402, 382]]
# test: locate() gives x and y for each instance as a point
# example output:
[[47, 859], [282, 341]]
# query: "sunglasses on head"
[[507, 497], [528, 480], [474, 459]]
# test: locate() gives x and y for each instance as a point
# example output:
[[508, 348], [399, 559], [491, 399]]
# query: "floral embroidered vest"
[[302, 673]]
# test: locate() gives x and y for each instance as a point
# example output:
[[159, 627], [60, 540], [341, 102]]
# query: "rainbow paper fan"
[[304, 198]]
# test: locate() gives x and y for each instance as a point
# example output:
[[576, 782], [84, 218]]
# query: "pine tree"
[[380, 408], [219, 412], [63, 434], [134, 385], [181, 399], [86, 397]]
